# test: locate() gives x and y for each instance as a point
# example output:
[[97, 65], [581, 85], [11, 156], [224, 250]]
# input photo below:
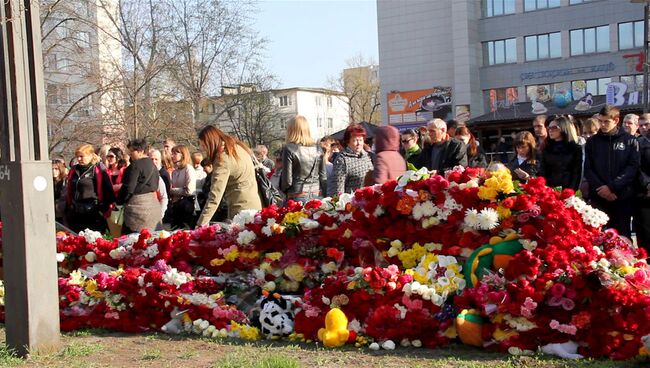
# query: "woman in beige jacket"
[[233, 175]]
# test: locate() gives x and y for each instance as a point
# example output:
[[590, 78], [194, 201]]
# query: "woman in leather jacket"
[[303, 170]]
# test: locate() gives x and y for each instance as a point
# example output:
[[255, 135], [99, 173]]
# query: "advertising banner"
[[420, 105]]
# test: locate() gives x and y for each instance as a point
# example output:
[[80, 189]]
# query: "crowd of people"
[[604, 156]]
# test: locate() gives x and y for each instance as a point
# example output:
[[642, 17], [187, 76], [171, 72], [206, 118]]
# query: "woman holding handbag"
[[89, 193], [139, 191], [303, 171], [233, 174]]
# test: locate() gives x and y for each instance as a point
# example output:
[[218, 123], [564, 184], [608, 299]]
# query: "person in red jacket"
[[89, 193], [389, 163]]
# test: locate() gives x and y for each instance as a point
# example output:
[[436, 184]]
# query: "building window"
[[319, 122], [589, 40], [499, 98], [283, 123], [530, 5], [52, 96], [544, 46], [500, 52], [634, 82], [492, 8], [319, 101], [285, 101], [83, 39], [630, 35], [213, 108], [594, 87], [330, 123], [329, 101], [574, 2]]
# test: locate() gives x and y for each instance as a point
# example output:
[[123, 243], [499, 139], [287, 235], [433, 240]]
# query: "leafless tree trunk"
[[359, 83]]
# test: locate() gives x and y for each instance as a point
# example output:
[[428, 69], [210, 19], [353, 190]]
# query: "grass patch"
[[75, 350], [190, 354], [240, 359], [151, 354], [8, 357]]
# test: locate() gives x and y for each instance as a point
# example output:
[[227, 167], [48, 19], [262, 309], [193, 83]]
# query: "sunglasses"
[[554, 127], [110, 156], [406, 140]]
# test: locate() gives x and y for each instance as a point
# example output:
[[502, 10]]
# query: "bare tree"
[[73, 82], [211, 43], [359, 83], [252, 114]]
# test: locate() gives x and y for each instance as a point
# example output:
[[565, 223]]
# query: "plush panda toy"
[[276, 315]]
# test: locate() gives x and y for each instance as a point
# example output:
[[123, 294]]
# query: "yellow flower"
[[232, 255], [503, 212], [217, 262], [295, 272], [293, 217], [76, 278], [266, 267], [274, 256], [244, 331], [347, 234], [250, 255], [487, 193]]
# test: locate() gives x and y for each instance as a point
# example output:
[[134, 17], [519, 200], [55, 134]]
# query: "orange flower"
[[405, 205]]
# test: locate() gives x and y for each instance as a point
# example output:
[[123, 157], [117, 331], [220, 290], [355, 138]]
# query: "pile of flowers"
[[392, 257]]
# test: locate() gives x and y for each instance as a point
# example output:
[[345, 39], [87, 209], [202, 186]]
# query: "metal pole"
[[30, 270]]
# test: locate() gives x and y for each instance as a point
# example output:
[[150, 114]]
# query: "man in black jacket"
[[442, 152], [642, 213], [611, 168]]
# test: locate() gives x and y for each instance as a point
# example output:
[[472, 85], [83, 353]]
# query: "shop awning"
[[523, 111]]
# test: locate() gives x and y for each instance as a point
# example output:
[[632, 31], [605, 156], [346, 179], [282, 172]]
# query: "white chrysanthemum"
[[91, 236], [591, 216], [60, 257], [151, 251], [308, 224], [91, 256], [379, 210], [118, 253], [246, 237], [488, 219], [578, 249], [343, 201], [354, 325], [423, 209], [266, 230], [244, 217], [173, 277], [529, 245], [472, 218]]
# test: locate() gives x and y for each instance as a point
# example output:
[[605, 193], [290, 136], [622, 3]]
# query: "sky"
[[310, 40]]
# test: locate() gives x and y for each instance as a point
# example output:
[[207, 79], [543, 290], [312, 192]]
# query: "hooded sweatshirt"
[[389, 163]]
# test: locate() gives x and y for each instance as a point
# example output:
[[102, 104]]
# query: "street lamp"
[[646, 14]]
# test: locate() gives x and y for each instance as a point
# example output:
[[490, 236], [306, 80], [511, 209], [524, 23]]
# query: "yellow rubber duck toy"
[[336, 332]]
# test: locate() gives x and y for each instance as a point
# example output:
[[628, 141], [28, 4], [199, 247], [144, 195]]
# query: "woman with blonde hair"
[[60, 178], [303, 169], [182, 194], [233, 174], [89, 192], [524, 165]]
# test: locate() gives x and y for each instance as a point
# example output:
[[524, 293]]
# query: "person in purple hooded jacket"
[[389, 163]]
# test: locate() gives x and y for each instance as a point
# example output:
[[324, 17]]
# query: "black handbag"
[[86, 207], [269, 194]]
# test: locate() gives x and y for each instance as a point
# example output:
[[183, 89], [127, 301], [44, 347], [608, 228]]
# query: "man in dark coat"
[[642, 213], [442, 152], [611, 169]]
